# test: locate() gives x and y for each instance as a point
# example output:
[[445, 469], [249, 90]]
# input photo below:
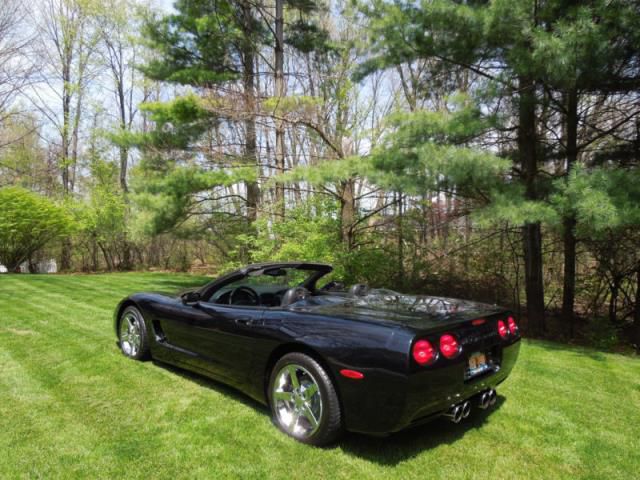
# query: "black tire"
[[126, 340], [329, 425]]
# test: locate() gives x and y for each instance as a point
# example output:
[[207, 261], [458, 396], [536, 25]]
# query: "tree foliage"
[[480, 149], [544, 59], [28, 222]]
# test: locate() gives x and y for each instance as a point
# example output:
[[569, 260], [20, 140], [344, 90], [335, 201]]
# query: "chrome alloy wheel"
[[297, 401], [130, 335]]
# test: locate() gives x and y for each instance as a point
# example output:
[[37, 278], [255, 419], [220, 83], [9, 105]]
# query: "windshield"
[[262, 287]]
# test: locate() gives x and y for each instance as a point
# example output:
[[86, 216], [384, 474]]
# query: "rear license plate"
[[477, 361]]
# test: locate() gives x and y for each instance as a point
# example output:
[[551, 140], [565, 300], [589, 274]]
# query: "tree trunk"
[[106, 257], [124, 165], [534, 286], [636, 313], [94, 253], [400, 228], [65, 255], [66, 118], [248, 59], [122, 104], [569, 279], [613, 300], [531, 232], [280, 92], [347, 212]]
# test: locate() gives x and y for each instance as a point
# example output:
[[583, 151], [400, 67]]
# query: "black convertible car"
[[328, 359]]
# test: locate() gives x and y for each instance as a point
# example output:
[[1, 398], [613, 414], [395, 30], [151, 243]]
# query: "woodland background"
[[485, 150]]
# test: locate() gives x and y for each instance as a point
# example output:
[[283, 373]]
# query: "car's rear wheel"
[[132, 334], [303, 400]]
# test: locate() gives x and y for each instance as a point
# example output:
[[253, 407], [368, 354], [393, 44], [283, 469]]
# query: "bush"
[[27, 223], [601, 334]]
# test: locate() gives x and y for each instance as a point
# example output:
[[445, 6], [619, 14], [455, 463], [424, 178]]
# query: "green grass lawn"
[[72, 406]]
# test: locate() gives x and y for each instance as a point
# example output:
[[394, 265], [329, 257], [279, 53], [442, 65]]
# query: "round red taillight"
[[449, 345], [424, 353], [513, 328], [502, 329]]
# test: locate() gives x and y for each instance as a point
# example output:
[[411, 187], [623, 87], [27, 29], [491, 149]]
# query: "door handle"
[[245, 321]]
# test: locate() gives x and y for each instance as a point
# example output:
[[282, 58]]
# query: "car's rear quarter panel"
[[396, 392], [378, 351]]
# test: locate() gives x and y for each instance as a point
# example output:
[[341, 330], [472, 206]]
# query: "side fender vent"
[[157, 330]]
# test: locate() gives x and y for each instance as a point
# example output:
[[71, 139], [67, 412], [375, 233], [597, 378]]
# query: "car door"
[[174, 327], [224, 336]]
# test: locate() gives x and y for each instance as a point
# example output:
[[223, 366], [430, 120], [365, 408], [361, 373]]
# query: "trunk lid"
[[420, 313]]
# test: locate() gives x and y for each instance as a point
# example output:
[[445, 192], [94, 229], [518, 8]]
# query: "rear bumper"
[[392, 402]]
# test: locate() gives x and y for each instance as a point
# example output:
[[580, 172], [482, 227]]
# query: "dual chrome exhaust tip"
[[459, 412], [487, 399]]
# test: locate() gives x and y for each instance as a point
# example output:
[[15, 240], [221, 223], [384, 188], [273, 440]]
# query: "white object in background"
[[43, 266], [48, 266]]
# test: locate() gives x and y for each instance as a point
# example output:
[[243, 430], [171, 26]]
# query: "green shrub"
[[601, 334], [27, 223]]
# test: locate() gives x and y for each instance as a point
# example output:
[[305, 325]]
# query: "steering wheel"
[[249, 292]]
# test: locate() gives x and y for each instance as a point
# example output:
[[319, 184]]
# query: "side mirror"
[[190, 298]]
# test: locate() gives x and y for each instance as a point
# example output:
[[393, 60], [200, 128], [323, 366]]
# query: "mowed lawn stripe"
[[63, 362], [52, 312], [560, 410], [72, 406], [75, 361]]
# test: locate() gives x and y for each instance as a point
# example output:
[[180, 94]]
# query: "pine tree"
[[213, 51], [540, 56]]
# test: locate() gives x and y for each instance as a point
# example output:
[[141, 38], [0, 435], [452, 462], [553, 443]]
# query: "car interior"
[[281, 287]]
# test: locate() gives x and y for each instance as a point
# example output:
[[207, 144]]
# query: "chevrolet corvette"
[[328, 359]]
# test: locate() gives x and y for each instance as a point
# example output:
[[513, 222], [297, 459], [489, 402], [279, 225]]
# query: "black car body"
[[367, 342]]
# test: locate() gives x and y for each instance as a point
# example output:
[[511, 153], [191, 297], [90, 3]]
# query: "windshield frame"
[[316, 271]]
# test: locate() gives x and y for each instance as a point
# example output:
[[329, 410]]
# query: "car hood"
[[418, 312]]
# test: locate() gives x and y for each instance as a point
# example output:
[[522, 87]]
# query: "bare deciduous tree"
[[14, 66], [64, 49]]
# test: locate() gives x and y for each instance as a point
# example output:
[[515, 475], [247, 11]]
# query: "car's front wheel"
[[303, 400], [132, 334]]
